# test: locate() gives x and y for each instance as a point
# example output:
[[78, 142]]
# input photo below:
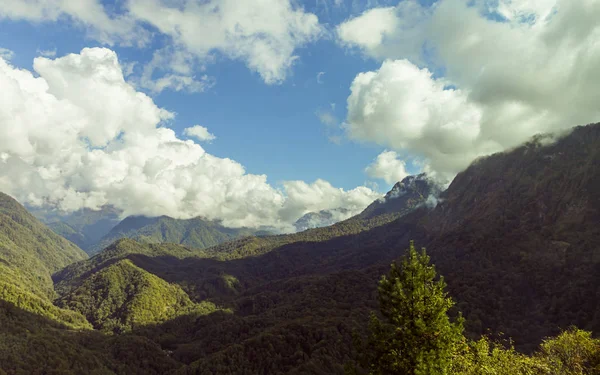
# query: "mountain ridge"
[[30, 247], [83, 227], [29, 254], [196, 232], [515, 236]]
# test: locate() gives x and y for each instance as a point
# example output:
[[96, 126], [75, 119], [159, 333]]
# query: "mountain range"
[[515, 236], [84, 227], [93, 230], [197, 232]]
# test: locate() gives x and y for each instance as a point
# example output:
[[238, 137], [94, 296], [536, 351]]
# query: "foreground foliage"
[[516, 236], [416, 336], [31, 344]]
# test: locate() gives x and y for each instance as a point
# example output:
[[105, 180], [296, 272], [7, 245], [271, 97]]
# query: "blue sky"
[[315, 105], [270, 129]]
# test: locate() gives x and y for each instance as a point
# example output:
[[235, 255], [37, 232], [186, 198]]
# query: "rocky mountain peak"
[[406, 195]]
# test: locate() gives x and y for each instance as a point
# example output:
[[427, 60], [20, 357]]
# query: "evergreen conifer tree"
[[416, 336]]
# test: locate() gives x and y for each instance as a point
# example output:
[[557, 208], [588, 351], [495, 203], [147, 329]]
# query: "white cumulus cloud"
[[370, 28], [321, 195], [511, 69], [405, 108], [388, 167], [87, 13], [75, 134], [199, 132], [264, 35]]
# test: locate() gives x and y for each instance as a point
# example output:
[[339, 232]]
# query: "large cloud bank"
[[78, 135], [262, 34], [460, 79]]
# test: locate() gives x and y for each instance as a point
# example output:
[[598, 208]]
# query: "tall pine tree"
[[416, 336]]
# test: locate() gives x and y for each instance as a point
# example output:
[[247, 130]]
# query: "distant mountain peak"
[[322, 218], [195, 232], [410, 184], [405, 196]]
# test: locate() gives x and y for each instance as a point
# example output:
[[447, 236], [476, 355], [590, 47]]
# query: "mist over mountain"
[[84, 227], [409, 193], [321, 219], [94, 230]]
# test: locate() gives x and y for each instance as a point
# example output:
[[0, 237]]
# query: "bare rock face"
[[405, 196]]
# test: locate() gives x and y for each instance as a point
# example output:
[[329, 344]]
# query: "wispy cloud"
[[6, 54], [320, 77], [46, 53]]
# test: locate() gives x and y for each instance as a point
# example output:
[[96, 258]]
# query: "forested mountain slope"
[[406, 196], [29, 251], [33, 344], [119, 250], [29, 254], [515, 236], [197, 232], [86, 227], [122, 296]]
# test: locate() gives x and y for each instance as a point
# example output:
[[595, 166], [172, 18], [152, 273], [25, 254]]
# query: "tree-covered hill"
[[73, 275], [515, 235], [123, 296], [84, 227], [196, 233], [406, 196], [33, 344], [29, 254], [29, 251]]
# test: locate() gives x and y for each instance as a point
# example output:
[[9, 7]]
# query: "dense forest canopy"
[[417, 337], [515, 237]]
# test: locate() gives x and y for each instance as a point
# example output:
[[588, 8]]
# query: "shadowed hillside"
[[515, 237], [406, 196], [197, 233], [84, 227]]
